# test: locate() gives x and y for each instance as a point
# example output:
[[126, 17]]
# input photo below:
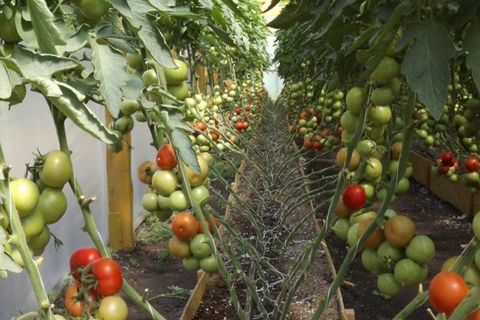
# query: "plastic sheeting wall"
[[273, 83], [24, 129]]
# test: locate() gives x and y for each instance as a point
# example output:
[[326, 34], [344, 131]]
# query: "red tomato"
[[238, 110], [303, 115], [472, 163], [82, 258], [247, 109], [447, 290], [354, 197], [210, 228], [166, 157], [75, 301], [109, 276], [317, 145], [307, 143], [448, 158], [443, 169], [201, 126], [239, 126], [245, 125], [184, 226]]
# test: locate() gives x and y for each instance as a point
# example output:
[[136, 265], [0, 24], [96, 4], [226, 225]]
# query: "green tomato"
[[403, 185], [93, 9], [387, 285], [396, 84], [129, 106], [163, 202], [200, 194], [375, 133], [112, 308], [369, 189], [200, 247], [149, 202], [366, 147], [52, 204], [176, 76], [476, 258], [180, 91], [476, 226], [39, 243], [25, 195], [389, 255], [33, 224], [140, 116], [359, 216], [421, 249], [135, 61], [4, 221], [349, 122], [370, 261], [124, 124], [340, 228], [352, 234], [56, 170], [191, 264], [386, 70], [408, 273], [379, 115], [164, 182], [373, 169], [355, 100], [8, 30], [179, 201], [209, 264], [382, 96], [149, 77]]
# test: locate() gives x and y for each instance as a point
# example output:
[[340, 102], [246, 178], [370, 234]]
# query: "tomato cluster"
[[190, 243], [96, 281], [39, 201], [447, 164]]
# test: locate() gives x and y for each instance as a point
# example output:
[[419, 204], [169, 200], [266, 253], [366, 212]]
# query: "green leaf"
[[362, 39], [468, 10], [6, 85], [69, 102], [47, 33], [471, 46], [36, 65], [207, 4], [133, 88], [183, 145], [156, 45], [75, 42], [292, 14], [175, 119], [110, 71], [426, 66]]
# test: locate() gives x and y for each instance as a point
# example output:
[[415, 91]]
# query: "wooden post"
[[202, 74], [120, 195]]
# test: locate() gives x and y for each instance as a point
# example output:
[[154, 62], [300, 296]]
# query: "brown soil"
[[433, 217], [143, 270]]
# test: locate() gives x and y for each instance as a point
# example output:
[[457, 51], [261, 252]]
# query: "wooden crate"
[[421, 168], [455, 193]]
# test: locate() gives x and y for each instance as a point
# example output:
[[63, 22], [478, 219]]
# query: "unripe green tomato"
[[129, 106], [140, 116], [25, 196], [386, 70], [150, 202], [135, 61], [164, 182], [352, 234], [370, 261], [179, 201], [124, 124], [355, 100], [341, 227], [149, 77], [382, 96]]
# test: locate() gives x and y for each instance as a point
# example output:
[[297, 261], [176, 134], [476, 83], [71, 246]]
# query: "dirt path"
[[270, 185]]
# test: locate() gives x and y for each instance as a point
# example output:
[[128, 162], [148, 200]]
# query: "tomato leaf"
[[133, 88], [207, 4], [471, 46], [36, 65], [110, 71], [426, 66], [175, 119], [75, 41], [183, 145], [135, 11], [291, 14], [6, 87], [47, 33]]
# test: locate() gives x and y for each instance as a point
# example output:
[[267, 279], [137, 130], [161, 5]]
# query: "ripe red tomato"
[[317, 145], [75, 301], [184, 226], [238, 110], [447, 289], [307, 143], [82, 258], [472, 163], [443, 169], [448, 158], [239, 126], [166, 157], [247, 108], [109, 276], [201, 126], [354, 196], [245, 125]]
